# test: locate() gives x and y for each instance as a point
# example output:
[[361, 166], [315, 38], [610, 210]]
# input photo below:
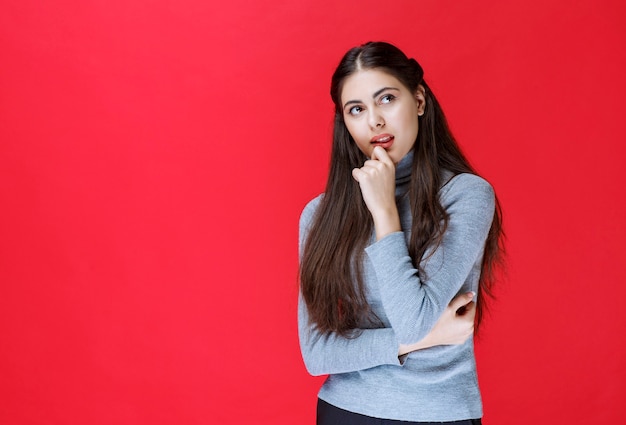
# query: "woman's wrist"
[[420, 345], [386, 222]]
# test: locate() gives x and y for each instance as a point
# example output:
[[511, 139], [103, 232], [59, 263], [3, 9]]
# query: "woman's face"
[[379, 110]]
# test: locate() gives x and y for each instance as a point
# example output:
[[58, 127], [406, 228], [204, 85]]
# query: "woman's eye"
[[387, 98], [355, 110]]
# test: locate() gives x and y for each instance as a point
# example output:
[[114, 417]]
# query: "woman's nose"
[[376, 120]]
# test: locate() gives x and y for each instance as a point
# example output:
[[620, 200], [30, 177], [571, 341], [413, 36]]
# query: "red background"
[[155, 157]]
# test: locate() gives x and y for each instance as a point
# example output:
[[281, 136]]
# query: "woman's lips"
[[383, 140]]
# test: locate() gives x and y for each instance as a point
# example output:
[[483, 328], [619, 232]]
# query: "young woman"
[[393, 252]]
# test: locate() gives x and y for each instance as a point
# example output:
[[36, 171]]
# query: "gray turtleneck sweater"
[[365, 374]]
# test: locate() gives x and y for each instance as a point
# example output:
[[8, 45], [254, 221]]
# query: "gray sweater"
[[365, 374]]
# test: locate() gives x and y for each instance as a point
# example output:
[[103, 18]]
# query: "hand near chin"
[[377, 180]]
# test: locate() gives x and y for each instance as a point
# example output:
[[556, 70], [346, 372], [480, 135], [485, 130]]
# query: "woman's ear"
[[420, 99]]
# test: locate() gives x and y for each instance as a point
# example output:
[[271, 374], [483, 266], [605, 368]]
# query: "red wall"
[[155, 156]]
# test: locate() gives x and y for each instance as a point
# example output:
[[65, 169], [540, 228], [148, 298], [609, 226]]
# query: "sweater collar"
[[404, 168]]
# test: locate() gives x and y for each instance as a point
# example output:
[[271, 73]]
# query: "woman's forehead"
[[363, 84]]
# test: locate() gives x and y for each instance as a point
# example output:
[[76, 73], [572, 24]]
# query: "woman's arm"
[[414, 303], [374, 347], [454, 327], [329, 354]]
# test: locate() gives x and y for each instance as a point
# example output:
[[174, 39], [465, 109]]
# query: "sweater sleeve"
[[413, 304], [332, 354]]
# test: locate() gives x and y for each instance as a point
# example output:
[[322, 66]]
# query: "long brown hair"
[[331, 267]]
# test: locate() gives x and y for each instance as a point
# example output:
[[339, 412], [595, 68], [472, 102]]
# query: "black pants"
[[327, 414]]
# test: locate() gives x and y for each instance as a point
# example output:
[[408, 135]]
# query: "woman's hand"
[[454, 327], [377, 180]]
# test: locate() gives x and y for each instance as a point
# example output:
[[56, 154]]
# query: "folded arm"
[[420, 311], [414, 303], [329, 354]]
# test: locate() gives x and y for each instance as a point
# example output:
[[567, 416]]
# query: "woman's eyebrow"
[[382, 90], [376, 93]]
